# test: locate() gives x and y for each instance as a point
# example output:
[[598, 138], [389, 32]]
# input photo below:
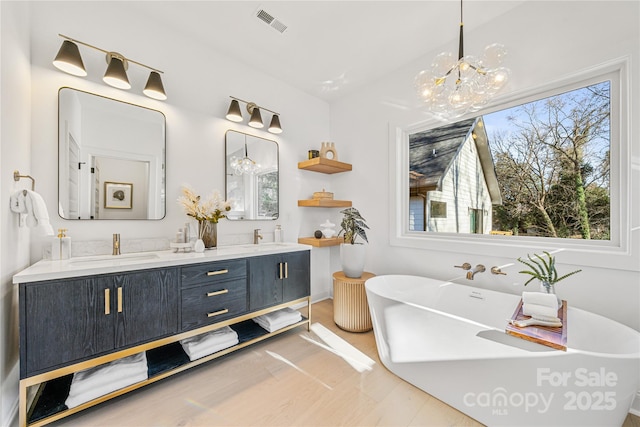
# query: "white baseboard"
[[10, 397], [635, 406]]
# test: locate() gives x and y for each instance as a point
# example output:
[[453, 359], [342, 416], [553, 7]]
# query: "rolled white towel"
[[540, 298], [536, 310]]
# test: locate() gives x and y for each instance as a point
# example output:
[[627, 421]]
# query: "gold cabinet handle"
[[218, 313], [107, 302], [220, 292], [280, 271], [120, 299], [215, 273], [286, 270]]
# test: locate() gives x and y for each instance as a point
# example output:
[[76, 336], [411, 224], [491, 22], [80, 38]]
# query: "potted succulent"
[[544, 269], [352, 253]]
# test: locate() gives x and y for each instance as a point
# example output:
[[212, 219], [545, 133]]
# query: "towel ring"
[[17, 176]]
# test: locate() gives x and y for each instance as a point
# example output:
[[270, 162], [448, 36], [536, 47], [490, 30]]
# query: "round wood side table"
[[350, 308]]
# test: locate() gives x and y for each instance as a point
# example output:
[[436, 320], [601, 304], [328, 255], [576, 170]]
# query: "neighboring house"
[[453, 184]]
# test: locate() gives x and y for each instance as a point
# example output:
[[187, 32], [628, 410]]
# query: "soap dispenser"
[[61, 246]]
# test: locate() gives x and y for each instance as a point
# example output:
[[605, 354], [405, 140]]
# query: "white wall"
[[198, 82], [547, 41], [15, 152]]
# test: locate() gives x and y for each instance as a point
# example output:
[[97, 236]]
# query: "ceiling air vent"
[[267, 18]]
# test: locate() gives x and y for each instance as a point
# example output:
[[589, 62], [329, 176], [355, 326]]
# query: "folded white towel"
[[203, 351], [540, 298], [278, 319], [536, 310], [99, 380], [210, 342], [100, 390]]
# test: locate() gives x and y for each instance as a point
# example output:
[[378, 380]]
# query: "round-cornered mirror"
[[111, 159], [252, 180]]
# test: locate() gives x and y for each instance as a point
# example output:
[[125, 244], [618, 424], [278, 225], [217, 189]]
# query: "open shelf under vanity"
[[169, 359]]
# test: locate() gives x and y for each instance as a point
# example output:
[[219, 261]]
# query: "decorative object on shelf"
[[319, 195], [352, 254], [69, 60], [451, 87], [235, 115], [545, 271], [328, 229], [244, 165], [313, 154], [207, 213], [317, 234], [328, 151]]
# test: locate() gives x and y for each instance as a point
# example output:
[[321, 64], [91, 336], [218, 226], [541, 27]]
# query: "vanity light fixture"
[[451, 88], [235, 115], [69, 60]]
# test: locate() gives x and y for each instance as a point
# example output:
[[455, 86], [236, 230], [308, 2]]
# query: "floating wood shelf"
[[321, 243], [324, 203], [323, 165]]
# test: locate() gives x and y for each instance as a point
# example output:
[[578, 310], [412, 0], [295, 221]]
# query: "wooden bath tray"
[[545, 335]]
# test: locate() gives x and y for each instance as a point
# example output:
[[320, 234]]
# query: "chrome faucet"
[[116, 244], [256, 236], [477, 269]]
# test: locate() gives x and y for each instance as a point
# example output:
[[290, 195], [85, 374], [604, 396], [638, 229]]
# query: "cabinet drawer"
[[212, 303], [213, 272]]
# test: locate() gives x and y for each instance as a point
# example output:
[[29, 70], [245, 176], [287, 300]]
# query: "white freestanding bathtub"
[[449, 340]]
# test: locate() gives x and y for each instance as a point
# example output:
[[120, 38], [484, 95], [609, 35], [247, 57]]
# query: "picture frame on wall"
[[118, 195]]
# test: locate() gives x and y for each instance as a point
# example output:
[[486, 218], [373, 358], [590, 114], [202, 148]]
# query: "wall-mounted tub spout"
[[477, 269]]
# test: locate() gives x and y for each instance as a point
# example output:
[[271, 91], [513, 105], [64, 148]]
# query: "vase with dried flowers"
[[207, 212]]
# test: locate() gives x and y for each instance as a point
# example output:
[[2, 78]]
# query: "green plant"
[[353, 225], [543, 270]]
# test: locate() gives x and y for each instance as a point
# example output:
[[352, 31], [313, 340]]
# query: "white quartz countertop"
[[83, 266]]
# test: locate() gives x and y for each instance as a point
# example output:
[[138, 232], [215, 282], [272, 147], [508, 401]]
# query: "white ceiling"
[[330, 48]]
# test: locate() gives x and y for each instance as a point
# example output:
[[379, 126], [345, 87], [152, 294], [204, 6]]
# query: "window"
[[438, 209], [577, 161]]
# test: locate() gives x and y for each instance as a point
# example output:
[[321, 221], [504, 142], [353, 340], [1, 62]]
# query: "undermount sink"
[[105, 259]]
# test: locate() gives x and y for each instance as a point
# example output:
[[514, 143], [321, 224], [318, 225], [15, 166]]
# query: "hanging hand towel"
[[36, 211]]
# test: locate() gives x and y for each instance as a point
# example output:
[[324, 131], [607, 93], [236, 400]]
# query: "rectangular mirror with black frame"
[[252, 179], [102, 140]]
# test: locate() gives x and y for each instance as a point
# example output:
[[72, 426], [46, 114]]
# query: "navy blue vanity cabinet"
[[274, 279], [69, 320], [212, 292]]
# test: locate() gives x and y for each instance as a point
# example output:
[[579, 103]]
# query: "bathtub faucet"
[[477, 269]]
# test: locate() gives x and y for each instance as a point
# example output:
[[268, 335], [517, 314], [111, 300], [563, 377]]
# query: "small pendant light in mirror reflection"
[[69, 60], [234, 114], [244, 165]]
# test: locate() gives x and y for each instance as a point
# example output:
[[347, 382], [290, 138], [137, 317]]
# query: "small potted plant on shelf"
[[352, 253], [545, 271]]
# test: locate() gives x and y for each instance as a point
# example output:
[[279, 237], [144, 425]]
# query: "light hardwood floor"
[[304, 385]]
